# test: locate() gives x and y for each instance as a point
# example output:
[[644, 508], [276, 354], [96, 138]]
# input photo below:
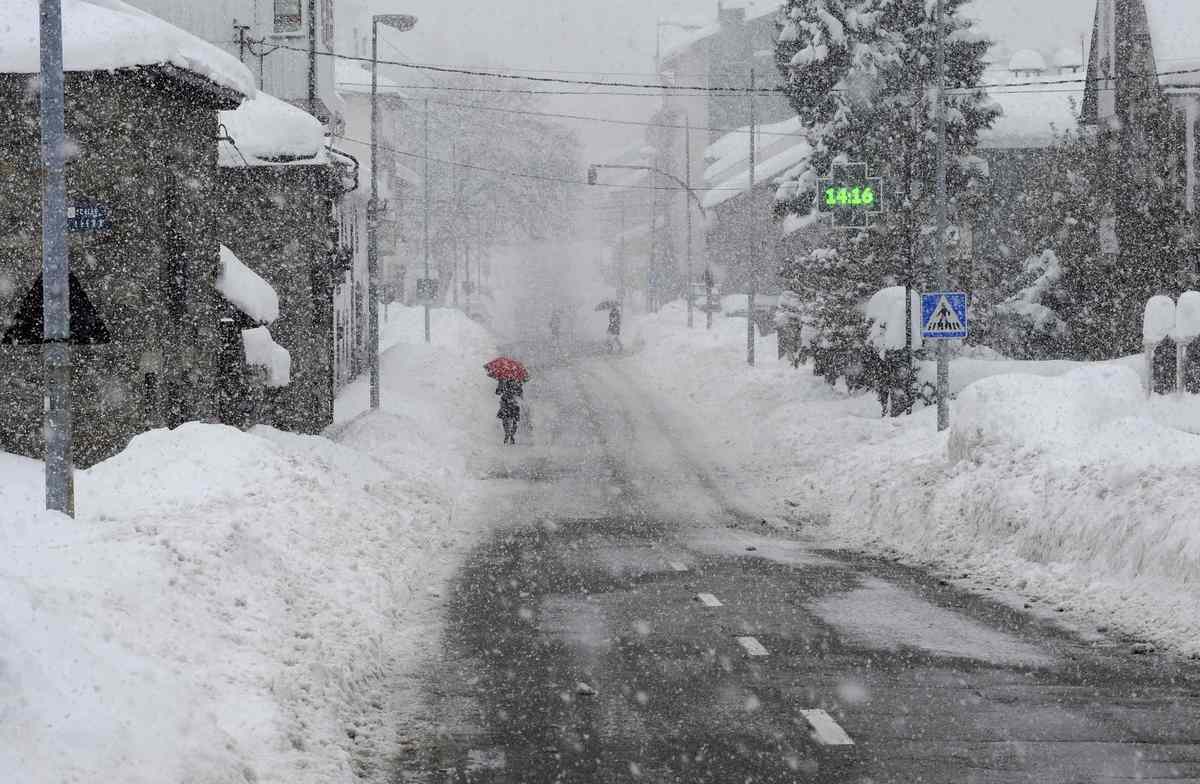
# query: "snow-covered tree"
[[861, 74]]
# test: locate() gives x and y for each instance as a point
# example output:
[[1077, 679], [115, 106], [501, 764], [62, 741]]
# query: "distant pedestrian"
[[614, 329], [510, 411]]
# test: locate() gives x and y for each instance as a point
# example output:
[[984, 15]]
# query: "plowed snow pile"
[[231, 606], [1059, 482]]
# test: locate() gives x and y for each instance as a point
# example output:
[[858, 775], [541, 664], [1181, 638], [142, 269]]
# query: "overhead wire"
[[527, 175], [497, 74]]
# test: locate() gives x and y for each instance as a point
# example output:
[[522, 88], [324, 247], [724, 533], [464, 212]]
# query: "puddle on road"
[[882, 615], [731, 542]]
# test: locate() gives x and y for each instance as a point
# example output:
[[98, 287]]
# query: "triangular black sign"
[[87, 328]]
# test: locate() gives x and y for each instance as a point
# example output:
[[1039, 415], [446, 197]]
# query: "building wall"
[[145, 148], [278, 220], [282, 73]]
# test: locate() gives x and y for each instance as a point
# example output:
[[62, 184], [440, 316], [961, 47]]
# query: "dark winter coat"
[[614, 322], [509, 391]]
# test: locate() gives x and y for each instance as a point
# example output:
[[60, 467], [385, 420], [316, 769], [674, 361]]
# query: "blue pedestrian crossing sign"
[[944, 315]]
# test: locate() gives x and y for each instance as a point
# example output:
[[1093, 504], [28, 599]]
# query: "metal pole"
[[312, 57], [427, 333], [56, 308], [373, 225], [687, 206], [943, 350], [750, 260]]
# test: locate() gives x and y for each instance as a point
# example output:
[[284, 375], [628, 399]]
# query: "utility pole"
[[426, 177], [687, 206], [312, 57], [402, 23], [56, 270], [943, 349], [750, 243]]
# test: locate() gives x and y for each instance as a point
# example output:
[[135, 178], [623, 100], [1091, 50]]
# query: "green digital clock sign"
[[850, 196], [845, 196]]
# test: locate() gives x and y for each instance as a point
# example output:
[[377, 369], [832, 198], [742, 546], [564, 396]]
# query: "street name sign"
[[944, 315], [87, 216], [850, 196], [427, 290]]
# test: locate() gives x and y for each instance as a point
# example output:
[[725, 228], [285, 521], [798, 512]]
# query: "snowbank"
[[246, 290], [234, 607], [1058, 483], [106, 35]]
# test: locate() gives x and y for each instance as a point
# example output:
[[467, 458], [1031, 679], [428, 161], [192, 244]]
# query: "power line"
[[590, 118], [694, 88], [527, 175]]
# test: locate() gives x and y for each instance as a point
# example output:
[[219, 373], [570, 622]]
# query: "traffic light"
[[591, 175]]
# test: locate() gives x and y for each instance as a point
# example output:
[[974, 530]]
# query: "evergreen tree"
[[861, 74]]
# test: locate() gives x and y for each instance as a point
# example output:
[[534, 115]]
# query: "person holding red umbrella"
[[511, 376]]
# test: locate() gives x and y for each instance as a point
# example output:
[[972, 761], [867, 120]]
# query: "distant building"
[[720, 53], [1140, 50]]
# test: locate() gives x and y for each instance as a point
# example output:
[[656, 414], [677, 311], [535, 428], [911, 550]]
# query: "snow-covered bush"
[[1027, 325]]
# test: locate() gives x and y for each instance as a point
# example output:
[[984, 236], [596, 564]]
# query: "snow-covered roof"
[[679, 41], [107, 35], [1068, 57], [1175, 32], [1032, 115], [243, 288], [354, 77], [1027, 60], [268, 131], [262, 351], [777, 148]]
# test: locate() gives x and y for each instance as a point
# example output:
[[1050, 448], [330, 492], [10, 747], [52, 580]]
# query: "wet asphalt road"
[[578, 647]]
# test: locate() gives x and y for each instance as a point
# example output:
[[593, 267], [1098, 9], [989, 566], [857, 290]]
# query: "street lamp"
[[403, 23]]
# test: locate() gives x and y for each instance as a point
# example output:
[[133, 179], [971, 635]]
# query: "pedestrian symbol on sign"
[[944, 315]]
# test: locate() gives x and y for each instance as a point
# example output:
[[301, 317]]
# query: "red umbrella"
[[506, 369]]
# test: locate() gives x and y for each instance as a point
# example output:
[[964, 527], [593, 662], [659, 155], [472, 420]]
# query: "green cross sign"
[[850, 196]]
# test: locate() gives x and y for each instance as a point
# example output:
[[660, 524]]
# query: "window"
[[289, 16]]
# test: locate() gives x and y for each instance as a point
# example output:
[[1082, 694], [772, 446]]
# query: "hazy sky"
[[600, 36]]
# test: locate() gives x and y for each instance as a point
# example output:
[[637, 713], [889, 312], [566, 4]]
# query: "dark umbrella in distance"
[[608, 304]]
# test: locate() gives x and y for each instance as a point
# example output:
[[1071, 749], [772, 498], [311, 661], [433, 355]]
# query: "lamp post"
[[403, 23]]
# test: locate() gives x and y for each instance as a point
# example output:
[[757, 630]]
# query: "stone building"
[[276, 192], [141, 110]]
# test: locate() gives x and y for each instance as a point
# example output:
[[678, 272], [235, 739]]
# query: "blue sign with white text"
[[87, 217], [944, 315]]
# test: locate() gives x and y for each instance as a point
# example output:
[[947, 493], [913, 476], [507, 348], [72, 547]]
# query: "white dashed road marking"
[[708, 600], [753, 647], [678, 566], [825, 730]]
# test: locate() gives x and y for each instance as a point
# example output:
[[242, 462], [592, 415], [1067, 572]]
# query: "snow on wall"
[[265, 128], [262, 351], [1187, 317], [1158, 320], [246, 290], [105, 35]]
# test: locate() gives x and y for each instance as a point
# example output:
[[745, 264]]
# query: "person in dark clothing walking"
[[510, 411], [614, 329]]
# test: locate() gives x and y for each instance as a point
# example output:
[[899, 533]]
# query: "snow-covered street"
[[650, 606]]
